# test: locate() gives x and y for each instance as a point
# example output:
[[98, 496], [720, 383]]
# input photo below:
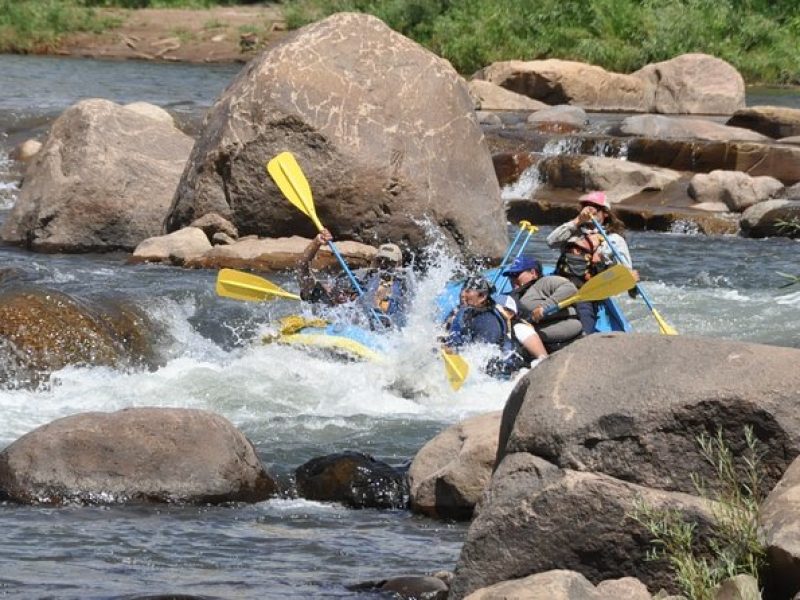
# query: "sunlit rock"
[[102, 181], [737, 190], [773, 121], [383, 129], [448, 475], [134, 455], [42, 331], [694, 83]]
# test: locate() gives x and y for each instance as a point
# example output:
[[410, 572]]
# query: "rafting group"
[[524, 310]]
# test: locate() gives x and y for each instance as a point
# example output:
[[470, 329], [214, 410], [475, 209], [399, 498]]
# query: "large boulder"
[[590, 408], [556, 81], [773, 121], [737, 190], [531, 523], [780, 521], [102, 181], [771, 218], [694, 83], [134, 455], [383, 129]]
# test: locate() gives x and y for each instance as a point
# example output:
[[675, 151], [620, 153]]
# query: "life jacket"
[[461, 325], [577, 261], [385, 292]]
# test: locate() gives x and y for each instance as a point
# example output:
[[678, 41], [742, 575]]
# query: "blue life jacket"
[[462, 330], [385, 292]]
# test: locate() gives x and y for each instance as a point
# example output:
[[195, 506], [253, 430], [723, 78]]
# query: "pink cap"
[[597, 199]]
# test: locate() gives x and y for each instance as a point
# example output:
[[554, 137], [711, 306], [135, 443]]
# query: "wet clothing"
[[561, 327], [473, 325], [385, 291]]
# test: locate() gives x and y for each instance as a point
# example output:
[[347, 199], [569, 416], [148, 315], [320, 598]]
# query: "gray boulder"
[[134, 455], [532, 522], [383, 129], [594, 407], [103, 180], [694, 83], [780, 523], [448, 475], [770, 218]]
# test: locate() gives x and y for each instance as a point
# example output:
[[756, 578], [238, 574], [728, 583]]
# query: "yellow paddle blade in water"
[[456, 368], [289, 177], [245, 286], [665, 327]]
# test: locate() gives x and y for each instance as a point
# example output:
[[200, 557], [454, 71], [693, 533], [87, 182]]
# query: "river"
[[293, 406]]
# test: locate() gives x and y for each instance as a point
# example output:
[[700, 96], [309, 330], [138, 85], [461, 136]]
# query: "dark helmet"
[[480, 285]]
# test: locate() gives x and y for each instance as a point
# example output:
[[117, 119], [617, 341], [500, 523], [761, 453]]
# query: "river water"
[[292, 405]]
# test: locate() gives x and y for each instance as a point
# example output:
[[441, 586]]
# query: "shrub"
[[734, 543]]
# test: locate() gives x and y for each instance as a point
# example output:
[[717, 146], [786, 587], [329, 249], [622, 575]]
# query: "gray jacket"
[[549, 290]]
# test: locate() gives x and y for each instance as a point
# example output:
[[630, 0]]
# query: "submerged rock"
[[353, 479]]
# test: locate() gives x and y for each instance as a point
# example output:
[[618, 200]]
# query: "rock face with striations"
[[615, 418], [384, 131]]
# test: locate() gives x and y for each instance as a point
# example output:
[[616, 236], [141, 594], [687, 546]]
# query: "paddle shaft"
[[619, 258], [291, 180], [523, 225]]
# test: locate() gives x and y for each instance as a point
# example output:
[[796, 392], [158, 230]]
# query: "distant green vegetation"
[[37, 25], [758, 37]]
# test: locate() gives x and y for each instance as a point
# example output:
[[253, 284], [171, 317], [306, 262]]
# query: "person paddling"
[[330, 292], [584, 252], [383, 284], [479, 319], [535, 292]]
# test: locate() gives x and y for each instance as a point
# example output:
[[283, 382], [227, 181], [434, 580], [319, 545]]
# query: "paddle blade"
[[289, 178], [605, 284], [456, 368], [665, 327], [252, 288]]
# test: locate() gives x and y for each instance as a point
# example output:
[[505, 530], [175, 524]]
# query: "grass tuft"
[[735, 545]]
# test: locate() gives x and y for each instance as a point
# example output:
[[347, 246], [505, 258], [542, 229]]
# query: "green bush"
[[759, 38], [36, 25], [735, 545]]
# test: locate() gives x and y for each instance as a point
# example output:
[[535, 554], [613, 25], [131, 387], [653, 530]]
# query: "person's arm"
[[530, 340], [305, 279], [620, 245], [571, 228], [555, 289], [562, 233]]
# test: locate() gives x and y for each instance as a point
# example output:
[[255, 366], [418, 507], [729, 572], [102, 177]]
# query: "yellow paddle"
[[456, 369], [244, 286], [291, 180], [605, 284]]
